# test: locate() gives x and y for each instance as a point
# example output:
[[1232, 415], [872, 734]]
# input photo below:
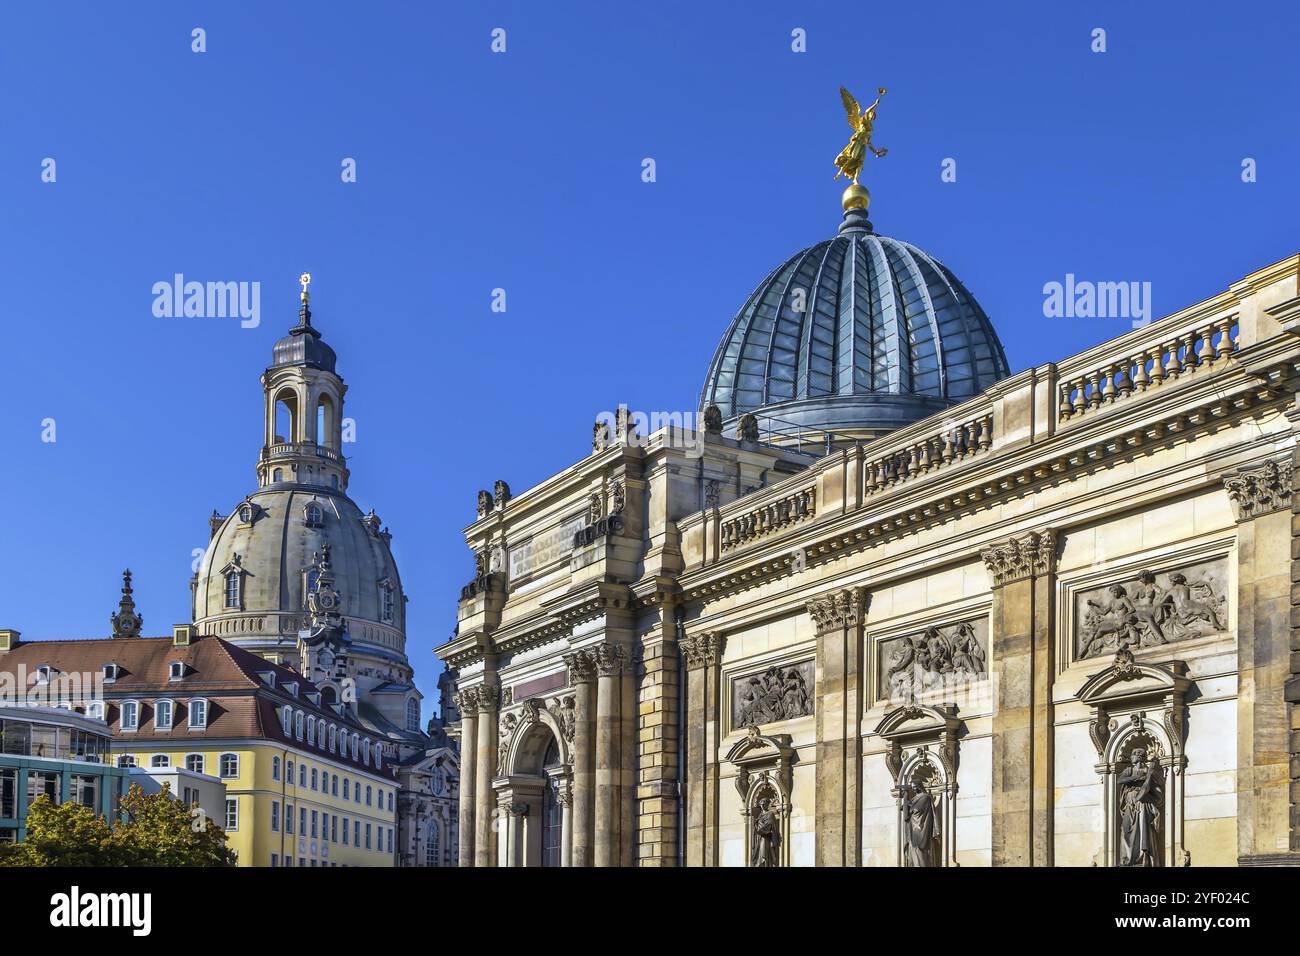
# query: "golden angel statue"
[[851, 156]]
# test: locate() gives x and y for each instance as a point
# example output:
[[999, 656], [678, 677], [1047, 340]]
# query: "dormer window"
[[111, 673], [291, 688], [286, 719], [162, 715], [176, 670], [198, 714], [232, 589], [95, 710], [130, 715], [246, 514], [313, 515], [268, 678], [387, 602], [297, 725], [43, 673], [413, 715], [314, 697]]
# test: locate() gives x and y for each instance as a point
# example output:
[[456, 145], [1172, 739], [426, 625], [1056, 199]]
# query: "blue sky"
[[522, 171]]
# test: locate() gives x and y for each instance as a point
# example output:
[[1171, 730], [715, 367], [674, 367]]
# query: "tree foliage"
[[153, 830]]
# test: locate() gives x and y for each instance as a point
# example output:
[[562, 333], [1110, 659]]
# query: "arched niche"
[[1140, 706], [534, 786], [764, 780], [922, 759]]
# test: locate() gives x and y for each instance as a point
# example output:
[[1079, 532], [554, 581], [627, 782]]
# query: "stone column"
[[564, 794], [582, 673], [485, 763], [610, 659], [1261, 498], [703, 654], [839, 686], [628, 764], [1021, 572], [467, 704], [658, 743]]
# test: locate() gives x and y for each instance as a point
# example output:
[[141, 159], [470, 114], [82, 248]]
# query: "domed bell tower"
[[304, 410]]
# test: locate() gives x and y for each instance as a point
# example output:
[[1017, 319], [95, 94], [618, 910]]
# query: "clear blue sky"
[[523, 171]]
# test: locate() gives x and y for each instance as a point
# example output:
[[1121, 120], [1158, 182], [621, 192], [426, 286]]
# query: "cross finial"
[[304, 280]]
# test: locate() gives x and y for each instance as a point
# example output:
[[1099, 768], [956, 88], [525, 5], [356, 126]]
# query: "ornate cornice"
[[1262, 490], [1023, 556], [703, 650], [838, 610]]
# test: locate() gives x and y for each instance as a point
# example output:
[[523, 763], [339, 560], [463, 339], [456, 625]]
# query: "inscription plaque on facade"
[[542, 549], [1152, 608], [782, 692]]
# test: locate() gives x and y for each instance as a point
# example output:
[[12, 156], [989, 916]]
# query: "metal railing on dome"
[[822, 442]]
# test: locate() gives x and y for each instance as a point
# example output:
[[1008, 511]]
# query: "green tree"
[[154, 830]]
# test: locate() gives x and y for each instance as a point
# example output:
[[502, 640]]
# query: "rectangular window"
[[314, 832], [17, 737], [40, 784], [130, 715], [275, 817], [356, 834], [368, 844], [302, 820], [288, 818], [232, 815], [85, 791], [275, 860], [334, 828], [8, 794], [390, 839]]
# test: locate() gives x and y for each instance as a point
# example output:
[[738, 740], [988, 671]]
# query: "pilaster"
[[703, 656]]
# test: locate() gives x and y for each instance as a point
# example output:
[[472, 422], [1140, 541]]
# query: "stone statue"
[[747, 427], [920, 828], [1141, 796], [484, 503], [849, 161], [712, 420], [766, 843]]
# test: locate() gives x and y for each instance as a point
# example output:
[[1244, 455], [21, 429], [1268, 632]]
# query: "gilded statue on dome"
[[851, 157]]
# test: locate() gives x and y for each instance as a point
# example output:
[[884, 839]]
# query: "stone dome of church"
[[272, 542], [856, 335]]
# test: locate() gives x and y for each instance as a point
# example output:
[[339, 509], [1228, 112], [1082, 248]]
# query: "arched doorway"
[[552, 807], [532, 794]]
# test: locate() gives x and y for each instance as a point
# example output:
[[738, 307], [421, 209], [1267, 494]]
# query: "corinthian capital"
[[488, 696], [610, 660], [837, 610], [1023, 556], [582, 667], [1259, 491], [703, 650]]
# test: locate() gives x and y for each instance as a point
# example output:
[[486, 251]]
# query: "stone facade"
[[959, 643]]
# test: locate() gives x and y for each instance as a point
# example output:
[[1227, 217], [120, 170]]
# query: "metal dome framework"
[[859, 332]]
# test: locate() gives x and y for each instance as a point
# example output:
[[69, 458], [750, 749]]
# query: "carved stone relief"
[[778, 693], [936, 658], [1151, 609]]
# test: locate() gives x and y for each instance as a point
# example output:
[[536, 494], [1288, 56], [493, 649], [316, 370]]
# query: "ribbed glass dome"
[[858, 334]]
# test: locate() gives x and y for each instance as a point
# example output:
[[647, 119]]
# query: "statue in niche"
[[766, 842], [1141, 796], [780, 693], [1146, 613], [920, 828]]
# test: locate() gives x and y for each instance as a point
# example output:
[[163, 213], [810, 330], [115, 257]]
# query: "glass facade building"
[[55, 752]]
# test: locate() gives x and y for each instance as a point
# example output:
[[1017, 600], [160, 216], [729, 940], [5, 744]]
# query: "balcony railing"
[[283, 449]]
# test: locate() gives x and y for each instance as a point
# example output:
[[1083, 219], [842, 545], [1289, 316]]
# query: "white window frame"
[[161, 705], [176, 670], [160, 761], [134, 725], [232, 813], [201, 760], [203, 708]]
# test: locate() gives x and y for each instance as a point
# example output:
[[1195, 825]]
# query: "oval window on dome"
[[313, 515]]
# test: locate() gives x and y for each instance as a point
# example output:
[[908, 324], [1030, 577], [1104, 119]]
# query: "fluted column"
[[467, 704], [485, 767], [1022, 653], [703, 654], [610, 659], [838, 618], [582, 674]]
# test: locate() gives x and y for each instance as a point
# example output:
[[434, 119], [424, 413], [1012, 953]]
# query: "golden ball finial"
[[856, 197]]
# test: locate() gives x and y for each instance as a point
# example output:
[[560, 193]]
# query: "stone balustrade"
[[770, 516], [920, 456]]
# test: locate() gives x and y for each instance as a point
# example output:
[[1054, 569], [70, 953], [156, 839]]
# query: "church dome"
[[271, 543], [856, 335]]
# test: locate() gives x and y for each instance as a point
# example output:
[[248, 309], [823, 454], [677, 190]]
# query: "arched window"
[[345, 788], [332, 736], [334, 788], [286, 719], [365, 754], [412, 715], [288, 772], [313, 515], [309, 584], [246, 513], [387, 604], [431, 845], [325, 422], [275, 768], [356, 744], [126, 761], [229, 765], [277, 474], [302, 775], [198, 713], [162, 715], [194, 763], [311, 731], [130, 715], [297, 724], [160, 760], [370, 792], [286, 417], [232, 589], [552, 811], [314, 778]]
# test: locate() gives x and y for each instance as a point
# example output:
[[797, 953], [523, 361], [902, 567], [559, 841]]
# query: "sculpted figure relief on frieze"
[[779, 693], [933, 659], [1151, 609]]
